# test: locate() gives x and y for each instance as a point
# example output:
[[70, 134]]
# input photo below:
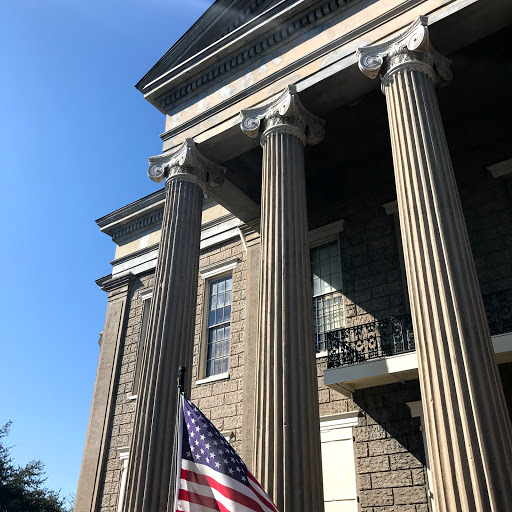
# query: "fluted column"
[[170, 338], [287, 456], [468, 428]]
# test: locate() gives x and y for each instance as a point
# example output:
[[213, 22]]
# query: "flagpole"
[[178, 438]]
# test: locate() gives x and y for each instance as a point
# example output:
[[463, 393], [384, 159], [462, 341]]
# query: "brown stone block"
[[373, 464], [418, 476], [389, 479], [396, 508], [404, 461], [376, 498], [200, 392], [410, 495], [364, 482], [225, 386], [361, 449], [370, 433], [212, 401], [223, 412], [385, 446], [232, 398]]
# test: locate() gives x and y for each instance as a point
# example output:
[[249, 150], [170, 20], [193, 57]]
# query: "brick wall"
[[124, 408], [222, 401]]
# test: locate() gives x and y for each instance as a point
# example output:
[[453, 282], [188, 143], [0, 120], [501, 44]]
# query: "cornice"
[[129, 229], [285, 24], [134, 254], [115, 284], [332, 46], [118, 219]]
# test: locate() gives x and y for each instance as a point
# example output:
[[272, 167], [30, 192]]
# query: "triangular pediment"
[[220, 20]]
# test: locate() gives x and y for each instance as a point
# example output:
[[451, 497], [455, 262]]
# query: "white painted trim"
[[219, 268], [213, 378], [124, 453], [131, 397], [391, 207], [136, 265], [325, 233], [501, 168], [340, 420], [372, 368], [228, 435], [146, 294], [322, 353]]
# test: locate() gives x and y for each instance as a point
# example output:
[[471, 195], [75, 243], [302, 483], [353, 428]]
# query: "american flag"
[[211, 474]]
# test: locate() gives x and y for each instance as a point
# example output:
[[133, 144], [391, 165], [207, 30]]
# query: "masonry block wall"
[[222, 401], [124, 407]]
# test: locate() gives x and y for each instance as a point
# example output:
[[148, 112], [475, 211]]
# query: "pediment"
[[220, 20]]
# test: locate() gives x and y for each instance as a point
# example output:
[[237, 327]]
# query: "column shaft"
[[169, 344], [468, 429], [287, 444]]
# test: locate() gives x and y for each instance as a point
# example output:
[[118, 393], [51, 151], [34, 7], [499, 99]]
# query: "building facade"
[[330, 257]]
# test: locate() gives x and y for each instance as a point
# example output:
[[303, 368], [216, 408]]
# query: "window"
[[327, 287], [219, 318], [123, 455]]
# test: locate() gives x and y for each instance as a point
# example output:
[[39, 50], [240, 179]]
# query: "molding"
[[501, 169], [115, 284], [416, 409], [391, 208], [100, 338], [280, 31], [219, 268], [135, 254], [291, 68], [213, 378], [111, 222], [146, 294], [138, 263], [124, 452], [126, 231], [340, 420], [324, 233], [322, 353]]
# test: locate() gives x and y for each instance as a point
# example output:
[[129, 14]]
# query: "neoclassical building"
[[330, 258]]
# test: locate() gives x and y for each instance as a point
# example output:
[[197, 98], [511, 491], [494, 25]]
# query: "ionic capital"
[[186, 163], [411, 50], [286, 114]]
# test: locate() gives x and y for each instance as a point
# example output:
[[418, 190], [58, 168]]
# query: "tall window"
[[219, 318], [327, 287]]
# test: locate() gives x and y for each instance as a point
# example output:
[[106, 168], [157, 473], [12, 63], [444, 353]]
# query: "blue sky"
[[75, 136]]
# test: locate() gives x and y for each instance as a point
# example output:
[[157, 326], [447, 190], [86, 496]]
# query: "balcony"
[[383, 351]]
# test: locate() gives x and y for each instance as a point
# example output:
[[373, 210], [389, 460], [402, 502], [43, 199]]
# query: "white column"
[[467, 423], [287, 456]]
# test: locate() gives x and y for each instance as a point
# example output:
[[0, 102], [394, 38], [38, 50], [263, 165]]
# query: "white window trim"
[[219, 268], [320, 236], [215, 271], [417, 412], [124, 454], [144, 295], [213, 378]]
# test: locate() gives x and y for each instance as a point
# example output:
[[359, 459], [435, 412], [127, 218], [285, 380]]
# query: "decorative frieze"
[[279, 34]]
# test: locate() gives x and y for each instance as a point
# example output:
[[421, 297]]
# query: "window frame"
[[317, 237], [146, 297], [209, 274]]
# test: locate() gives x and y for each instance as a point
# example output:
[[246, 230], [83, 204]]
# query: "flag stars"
[[193, 421], [217, 464], [225, 461], [215, 443], [207, 446], [198, 456], [198, 429], [230, 471]]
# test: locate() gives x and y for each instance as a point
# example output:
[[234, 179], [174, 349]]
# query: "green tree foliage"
[[22, 488]]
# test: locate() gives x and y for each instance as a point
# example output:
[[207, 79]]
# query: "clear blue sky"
[[75, 136]]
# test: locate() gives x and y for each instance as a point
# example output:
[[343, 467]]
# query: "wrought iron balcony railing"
[[382, 338], [392, 336]]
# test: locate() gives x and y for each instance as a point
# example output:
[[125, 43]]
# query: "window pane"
[[211, 318], [222, 285], [213, 288], [227, 298], [220, 300], [213, 302], [227, 313], [324, 252], [229, 281], [219, 316]]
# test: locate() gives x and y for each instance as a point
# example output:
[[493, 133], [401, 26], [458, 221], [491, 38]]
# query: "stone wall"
[[124, 408], [222, 401]]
